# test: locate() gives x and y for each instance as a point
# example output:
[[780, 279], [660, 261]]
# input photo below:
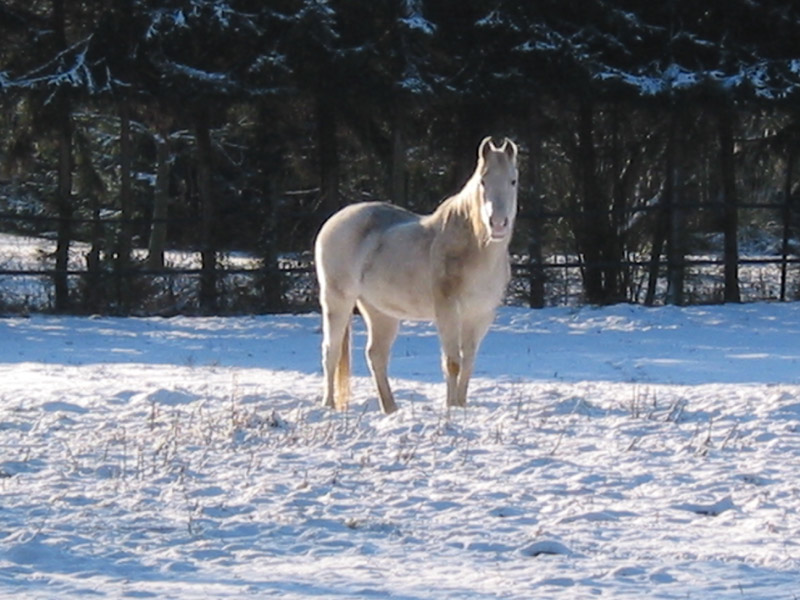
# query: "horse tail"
[[341, 394]]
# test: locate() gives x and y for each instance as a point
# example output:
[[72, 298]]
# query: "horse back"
[[380, 253], [357, 226]]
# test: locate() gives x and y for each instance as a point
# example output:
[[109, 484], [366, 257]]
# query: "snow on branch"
[[165, 18], [770, 80], [218, 13], [673, 78], [219, 81], [414, 20], [70, 68]]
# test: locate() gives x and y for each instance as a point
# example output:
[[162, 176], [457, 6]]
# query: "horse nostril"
[[498, 225]]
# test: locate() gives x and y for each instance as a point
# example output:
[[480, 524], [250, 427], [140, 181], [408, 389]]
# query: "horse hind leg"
[[382, 331], [336, 354]]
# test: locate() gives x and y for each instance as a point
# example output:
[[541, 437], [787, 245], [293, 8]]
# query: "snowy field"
[[621, 452]]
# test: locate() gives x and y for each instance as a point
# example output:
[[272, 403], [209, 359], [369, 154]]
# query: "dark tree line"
[[223, 125]]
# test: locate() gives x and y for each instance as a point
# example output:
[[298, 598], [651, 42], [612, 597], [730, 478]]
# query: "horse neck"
[[464, 209]]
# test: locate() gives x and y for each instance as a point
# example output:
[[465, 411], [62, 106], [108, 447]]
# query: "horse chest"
[[476, 281]]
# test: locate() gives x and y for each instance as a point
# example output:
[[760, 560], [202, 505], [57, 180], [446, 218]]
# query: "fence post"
[[535, 261], [731, 216]]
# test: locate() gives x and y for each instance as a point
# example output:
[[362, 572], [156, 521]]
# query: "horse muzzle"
[[499, 229]]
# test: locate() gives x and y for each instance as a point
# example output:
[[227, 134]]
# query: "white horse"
[[451, 267]]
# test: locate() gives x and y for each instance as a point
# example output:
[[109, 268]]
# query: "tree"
[[315, 61], [362, 99], [385, 52], [204, 56], [55, 77]]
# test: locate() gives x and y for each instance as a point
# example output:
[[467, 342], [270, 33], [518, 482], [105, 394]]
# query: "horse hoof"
[[388, 408]]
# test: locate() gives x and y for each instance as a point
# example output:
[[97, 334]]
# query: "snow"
[[416, 22], [69, 68], [673, 78], [620, 452], [762, 77]]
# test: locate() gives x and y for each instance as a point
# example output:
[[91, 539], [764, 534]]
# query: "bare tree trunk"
[[787, 218], [675, 218], [94, 293], [158, 227], [473, 126], [328, 155], [535, 259], [208, 277], [731, 215], [398, 191], [591, 221], [616, 275], [272, 280], [65, 164], [659, 236], [124, 235], [64, 205]]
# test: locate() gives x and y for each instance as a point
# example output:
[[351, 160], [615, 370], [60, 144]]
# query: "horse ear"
[[511, 149], [485, 147]]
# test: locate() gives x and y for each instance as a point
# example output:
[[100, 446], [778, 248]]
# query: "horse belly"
[[401, 304], [397, 277]]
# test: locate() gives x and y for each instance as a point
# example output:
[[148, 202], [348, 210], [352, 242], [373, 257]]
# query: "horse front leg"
[[473, 330], [449, 327]]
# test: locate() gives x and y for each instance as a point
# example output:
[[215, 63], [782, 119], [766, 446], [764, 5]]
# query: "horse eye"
[[513, 182]]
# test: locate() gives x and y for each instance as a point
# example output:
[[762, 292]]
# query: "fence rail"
[[289, 281]]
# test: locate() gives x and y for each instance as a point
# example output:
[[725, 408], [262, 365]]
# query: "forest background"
[[162, 140]]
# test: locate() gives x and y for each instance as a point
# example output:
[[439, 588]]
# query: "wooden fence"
[[547, 270]]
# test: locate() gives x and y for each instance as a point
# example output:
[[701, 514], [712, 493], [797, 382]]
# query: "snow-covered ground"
[[621, 452]]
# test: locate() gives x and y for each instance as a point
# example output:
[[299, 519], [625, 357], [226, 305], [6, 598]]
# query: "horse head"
[[497, 188]]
